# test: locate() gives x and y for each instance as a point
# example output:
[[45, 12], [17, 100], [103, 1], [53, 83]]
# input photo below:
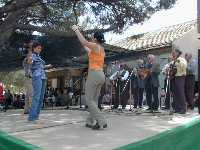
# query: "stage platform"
[[65, 129]]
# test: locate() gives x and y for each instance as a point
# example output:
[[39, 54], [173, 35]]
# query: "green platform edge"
[[185, 137], [8, 142]]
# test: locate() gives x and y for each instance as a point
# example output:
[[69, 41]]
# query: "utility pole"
[[198, 15], [198, 30]]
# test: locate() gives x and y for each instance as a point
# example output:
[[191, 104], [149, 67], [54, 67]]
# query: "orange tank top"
[[96, 59]]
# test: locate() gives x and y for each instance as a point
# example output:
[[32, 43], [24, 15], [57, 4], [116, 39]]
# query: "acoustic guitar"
[[143, 73]]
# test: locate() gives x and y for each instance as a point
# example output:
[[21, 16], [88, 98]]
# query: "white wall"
[[189, 43]]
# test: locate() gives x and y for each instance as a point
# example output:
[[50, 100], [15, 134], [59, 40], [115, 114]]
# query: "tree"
[[13, 80], [56, 16]]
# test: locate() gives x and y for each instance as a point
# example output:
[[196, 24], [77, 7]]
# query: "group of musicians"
[[179, 83]]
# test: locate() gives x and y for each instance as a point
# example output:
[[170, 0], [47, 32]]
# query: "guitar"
[[143, 73], [173, 67], [172, 70]]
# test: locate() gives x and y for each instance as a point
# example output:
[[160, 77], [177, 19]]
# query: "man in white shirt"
[[120, 77], [167, 81], [122, 73]]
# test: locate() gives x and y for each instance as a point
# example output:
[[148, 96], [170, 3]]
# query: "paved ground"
[[65, 130]]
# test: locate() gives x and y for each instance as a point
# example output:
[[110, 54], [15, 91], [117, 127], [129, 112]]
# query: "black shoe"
[[182, 112], [148, 110], [176, 111], [114, 107], [155, 110], [98, 127], [66, 107], [165, 108], [88, 125], [100, 107]]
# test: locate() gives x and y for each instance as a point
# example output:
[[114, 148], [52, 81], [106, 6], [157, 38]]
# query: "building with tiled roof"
[[160, 43], [128, 50], [157, 39]]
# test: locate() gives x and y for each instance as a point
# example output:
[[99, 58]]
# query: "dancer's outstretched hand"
[[75, 27], [48, 66], [30, 60]]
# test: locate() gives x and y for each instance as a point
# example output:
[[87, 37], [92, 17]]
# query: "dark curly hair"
[[36, 44], [100, 37]]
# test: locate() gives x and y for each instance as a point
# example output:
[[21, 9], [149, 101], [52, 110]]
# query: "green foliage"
[[13, 80], [55, 17], [61, 14], [117, 13]]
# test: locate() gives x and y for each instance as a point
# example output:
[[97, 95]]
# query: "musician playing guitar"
[[152, 83], [138, 89], [167, 83], [143, 72], [178, 82]]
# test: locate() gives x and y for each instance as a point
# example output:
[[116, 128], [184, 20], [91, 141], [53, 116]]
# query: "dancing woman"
[[95, 79], [38, 81]]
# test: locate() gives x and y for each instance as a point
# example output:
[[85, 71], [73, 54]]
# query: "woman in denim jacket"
[[38, 81]]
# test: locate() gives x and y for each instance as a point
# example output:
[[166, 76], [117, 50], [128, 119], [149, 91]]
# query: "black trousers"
[[152, 92], [118, 97], [6, 104], [179, 94], [168, 87], [138, 96], [125, 95], [189, 89], [121, 96]]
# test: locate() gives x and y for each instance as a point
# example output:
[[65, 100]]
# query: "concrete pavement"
[[65, 129]]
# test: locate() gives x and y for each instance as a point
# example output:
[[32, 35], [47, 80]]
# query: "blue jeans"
[[39, 86]]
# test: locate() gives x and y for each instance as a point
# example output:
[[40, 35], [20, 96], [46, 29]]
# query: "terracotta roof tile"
[[159, 38]]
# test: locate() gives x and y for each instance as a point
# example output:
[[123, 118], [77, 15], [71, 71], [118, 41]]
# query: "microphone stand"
[[130, 89], [168, 89], [119, 92], [130, 96]]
